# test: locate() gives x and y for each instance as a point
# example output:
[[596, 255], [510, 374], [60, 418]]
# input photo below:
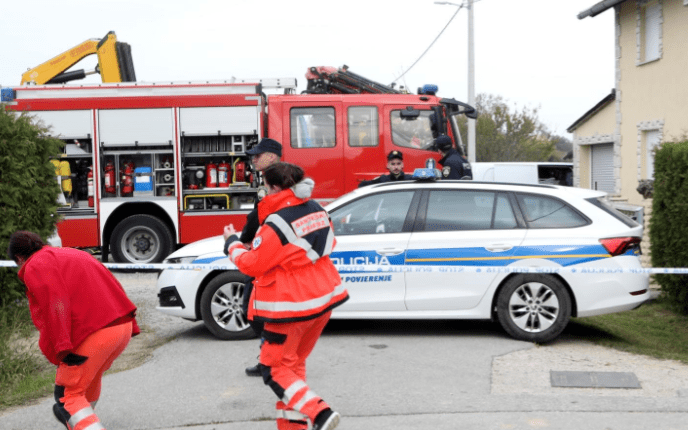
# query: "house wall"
[[598, 129], [651, 96]]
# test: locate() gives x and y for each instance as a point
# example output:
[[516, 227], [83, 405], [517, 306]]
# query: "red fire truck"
[[149, 166]]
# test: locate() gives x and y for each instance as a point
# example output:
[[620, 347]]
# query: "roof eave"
[[599, 8], [601, 104]]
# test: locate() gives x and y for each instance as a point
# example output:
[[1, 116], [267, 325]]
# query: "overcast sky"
[[534, 53]]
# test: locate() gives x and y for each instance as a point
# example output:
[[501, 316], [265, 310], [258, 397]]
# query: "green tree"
[[505, 134], [28, 189]]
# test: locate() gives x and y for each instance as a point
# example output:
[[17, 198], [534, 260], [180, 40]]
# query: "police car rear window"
[[547, 212], [603, 204]]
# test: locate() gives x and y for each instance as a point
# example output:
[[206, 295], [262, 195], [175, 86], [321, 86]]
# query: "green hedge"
[[28, 189], [669, 222]]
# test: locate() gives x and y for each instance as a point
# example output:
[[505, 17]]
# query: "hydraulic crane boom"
[[115, 63], [329, 80]]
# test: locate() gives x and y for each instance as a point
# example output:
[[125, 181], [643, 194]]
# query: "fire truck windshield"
[[412, 132]]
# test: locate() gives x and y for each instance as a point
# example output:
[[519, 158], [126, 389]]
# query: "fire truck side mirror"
[[410, 113], [469, 111]]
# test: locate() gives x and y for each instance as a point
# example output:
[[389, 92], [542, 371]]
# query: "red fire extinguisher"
[[223, 174], [110, 178], [89, 179], [239, 171], [128, 180], [211, 175]]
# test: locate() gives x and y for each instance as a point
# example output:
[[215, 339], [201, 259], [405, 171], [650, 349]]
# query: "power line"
[[433, 42]]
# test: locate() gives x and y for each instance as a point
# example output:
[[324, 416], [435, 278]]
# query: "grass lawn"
[[653, 330]]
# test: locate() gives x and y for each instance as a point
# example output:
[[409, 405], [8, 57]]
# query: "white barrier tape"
[[373, 268]]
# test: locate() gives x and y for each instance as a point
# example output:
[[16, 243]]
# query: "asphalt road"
[[385, 375]]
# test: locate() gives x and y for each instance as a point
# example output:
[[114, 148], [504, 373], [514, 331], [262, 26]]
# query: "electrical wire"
[[433, 42]]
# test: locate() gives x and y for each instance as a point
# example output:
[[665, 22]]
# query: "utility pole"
[[471, 75], [471, 83]]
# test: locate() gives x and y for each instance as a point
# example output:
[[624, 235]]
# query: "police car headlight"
[[179, 260]]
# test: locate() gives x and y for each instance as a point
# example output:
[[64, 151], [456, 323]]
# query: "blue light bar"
[[426, 174], [428, 89], [7, 95]]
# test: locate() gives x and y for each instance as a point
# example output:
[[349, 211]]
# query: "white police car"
[[455, 248]]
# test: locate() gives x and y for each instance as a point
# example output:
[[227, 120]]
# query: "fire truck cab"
[[150, 166]]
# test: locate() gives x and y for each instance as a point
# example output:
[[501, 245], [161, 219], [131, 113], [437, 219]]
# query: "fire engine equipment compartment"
[[143, 182]]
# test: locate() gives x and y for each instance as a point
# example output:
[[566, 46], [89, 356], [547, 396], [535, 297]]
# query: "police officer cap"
[[395, 154], [266, 145], [443, 143]]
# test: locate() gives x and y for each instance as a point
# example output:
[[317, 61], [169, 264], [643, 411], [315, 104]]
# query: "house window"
[[651, 143], [650, 31]]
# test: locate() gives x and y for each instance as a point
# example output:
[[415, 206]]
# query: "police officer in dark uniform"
[[454, 165], [395, 165], [266, 153]]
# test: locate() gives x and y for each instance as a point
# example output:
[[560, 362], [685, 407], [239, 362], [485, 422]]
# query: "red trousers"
[[284, 354], [77, 387]]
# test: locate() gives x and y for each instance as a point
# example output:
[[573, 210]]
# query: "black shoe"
[[59, 414], [256, 370], [326, 420]]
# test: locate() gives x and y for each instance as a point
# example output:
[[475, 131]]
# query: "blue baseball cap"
[[266, 145]]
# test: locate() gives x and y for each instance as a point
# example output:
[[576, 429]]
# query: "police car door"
[[459, 227], [374, 230]]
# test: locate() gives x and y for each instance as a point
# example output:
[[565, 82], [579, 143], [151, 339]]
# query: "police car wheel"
[[533, 307], [221, 308]]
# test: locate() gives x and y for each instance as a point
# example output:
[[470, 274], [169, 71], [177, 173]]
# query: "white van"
[[524, 172]]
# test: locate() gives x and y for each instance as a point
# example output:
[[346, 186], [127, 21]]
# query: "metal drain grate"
[[594, 379]]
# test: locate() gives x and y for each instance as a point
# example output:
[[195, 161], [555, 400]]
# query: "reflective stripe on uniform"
[[305, 399], [288, 233], [236, 252], [80, 415], [292, 390], [83, 414], [291, 415], [298, 306]]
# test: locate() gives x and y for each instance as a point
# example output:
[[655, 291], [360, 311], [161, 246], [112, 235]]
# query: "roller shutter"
[[602, 167]]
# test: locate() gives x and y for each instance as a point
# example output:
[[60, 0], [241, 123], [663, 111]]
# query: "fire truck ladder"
[[286, 84], [329, 80]]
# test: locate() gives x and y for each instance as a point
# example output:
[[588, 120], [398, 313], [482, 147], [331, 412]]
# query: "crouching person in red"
[[295, 290], [84, 318]]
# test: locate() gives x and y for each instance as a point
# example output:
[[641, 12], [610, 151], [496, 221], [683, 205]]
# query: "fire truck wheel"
[[141, 239], [221, 307]]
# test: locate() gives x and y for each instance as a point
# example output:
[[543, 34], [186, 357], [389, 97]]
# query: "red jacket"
[[72, 295], [289, 257]]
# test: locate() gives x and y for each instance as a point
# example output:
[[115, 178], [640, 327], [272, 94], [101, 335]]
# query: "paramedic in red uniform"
[[295, 290], [84, 318]]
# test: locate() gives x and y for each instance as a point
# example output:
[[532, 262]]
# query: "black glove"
[[72, 359]]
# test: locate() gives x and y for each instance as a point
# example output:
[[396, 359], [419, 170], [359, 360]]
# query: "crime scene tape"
[[376, 268]]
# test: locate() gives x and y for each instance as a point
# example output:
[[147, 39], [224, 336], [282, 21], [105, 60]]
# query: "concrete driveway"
[[385, 375]]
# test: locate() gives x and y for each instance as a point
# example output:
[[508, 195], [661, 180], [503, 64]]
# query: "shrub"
[[669, 222], [28, 189]]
